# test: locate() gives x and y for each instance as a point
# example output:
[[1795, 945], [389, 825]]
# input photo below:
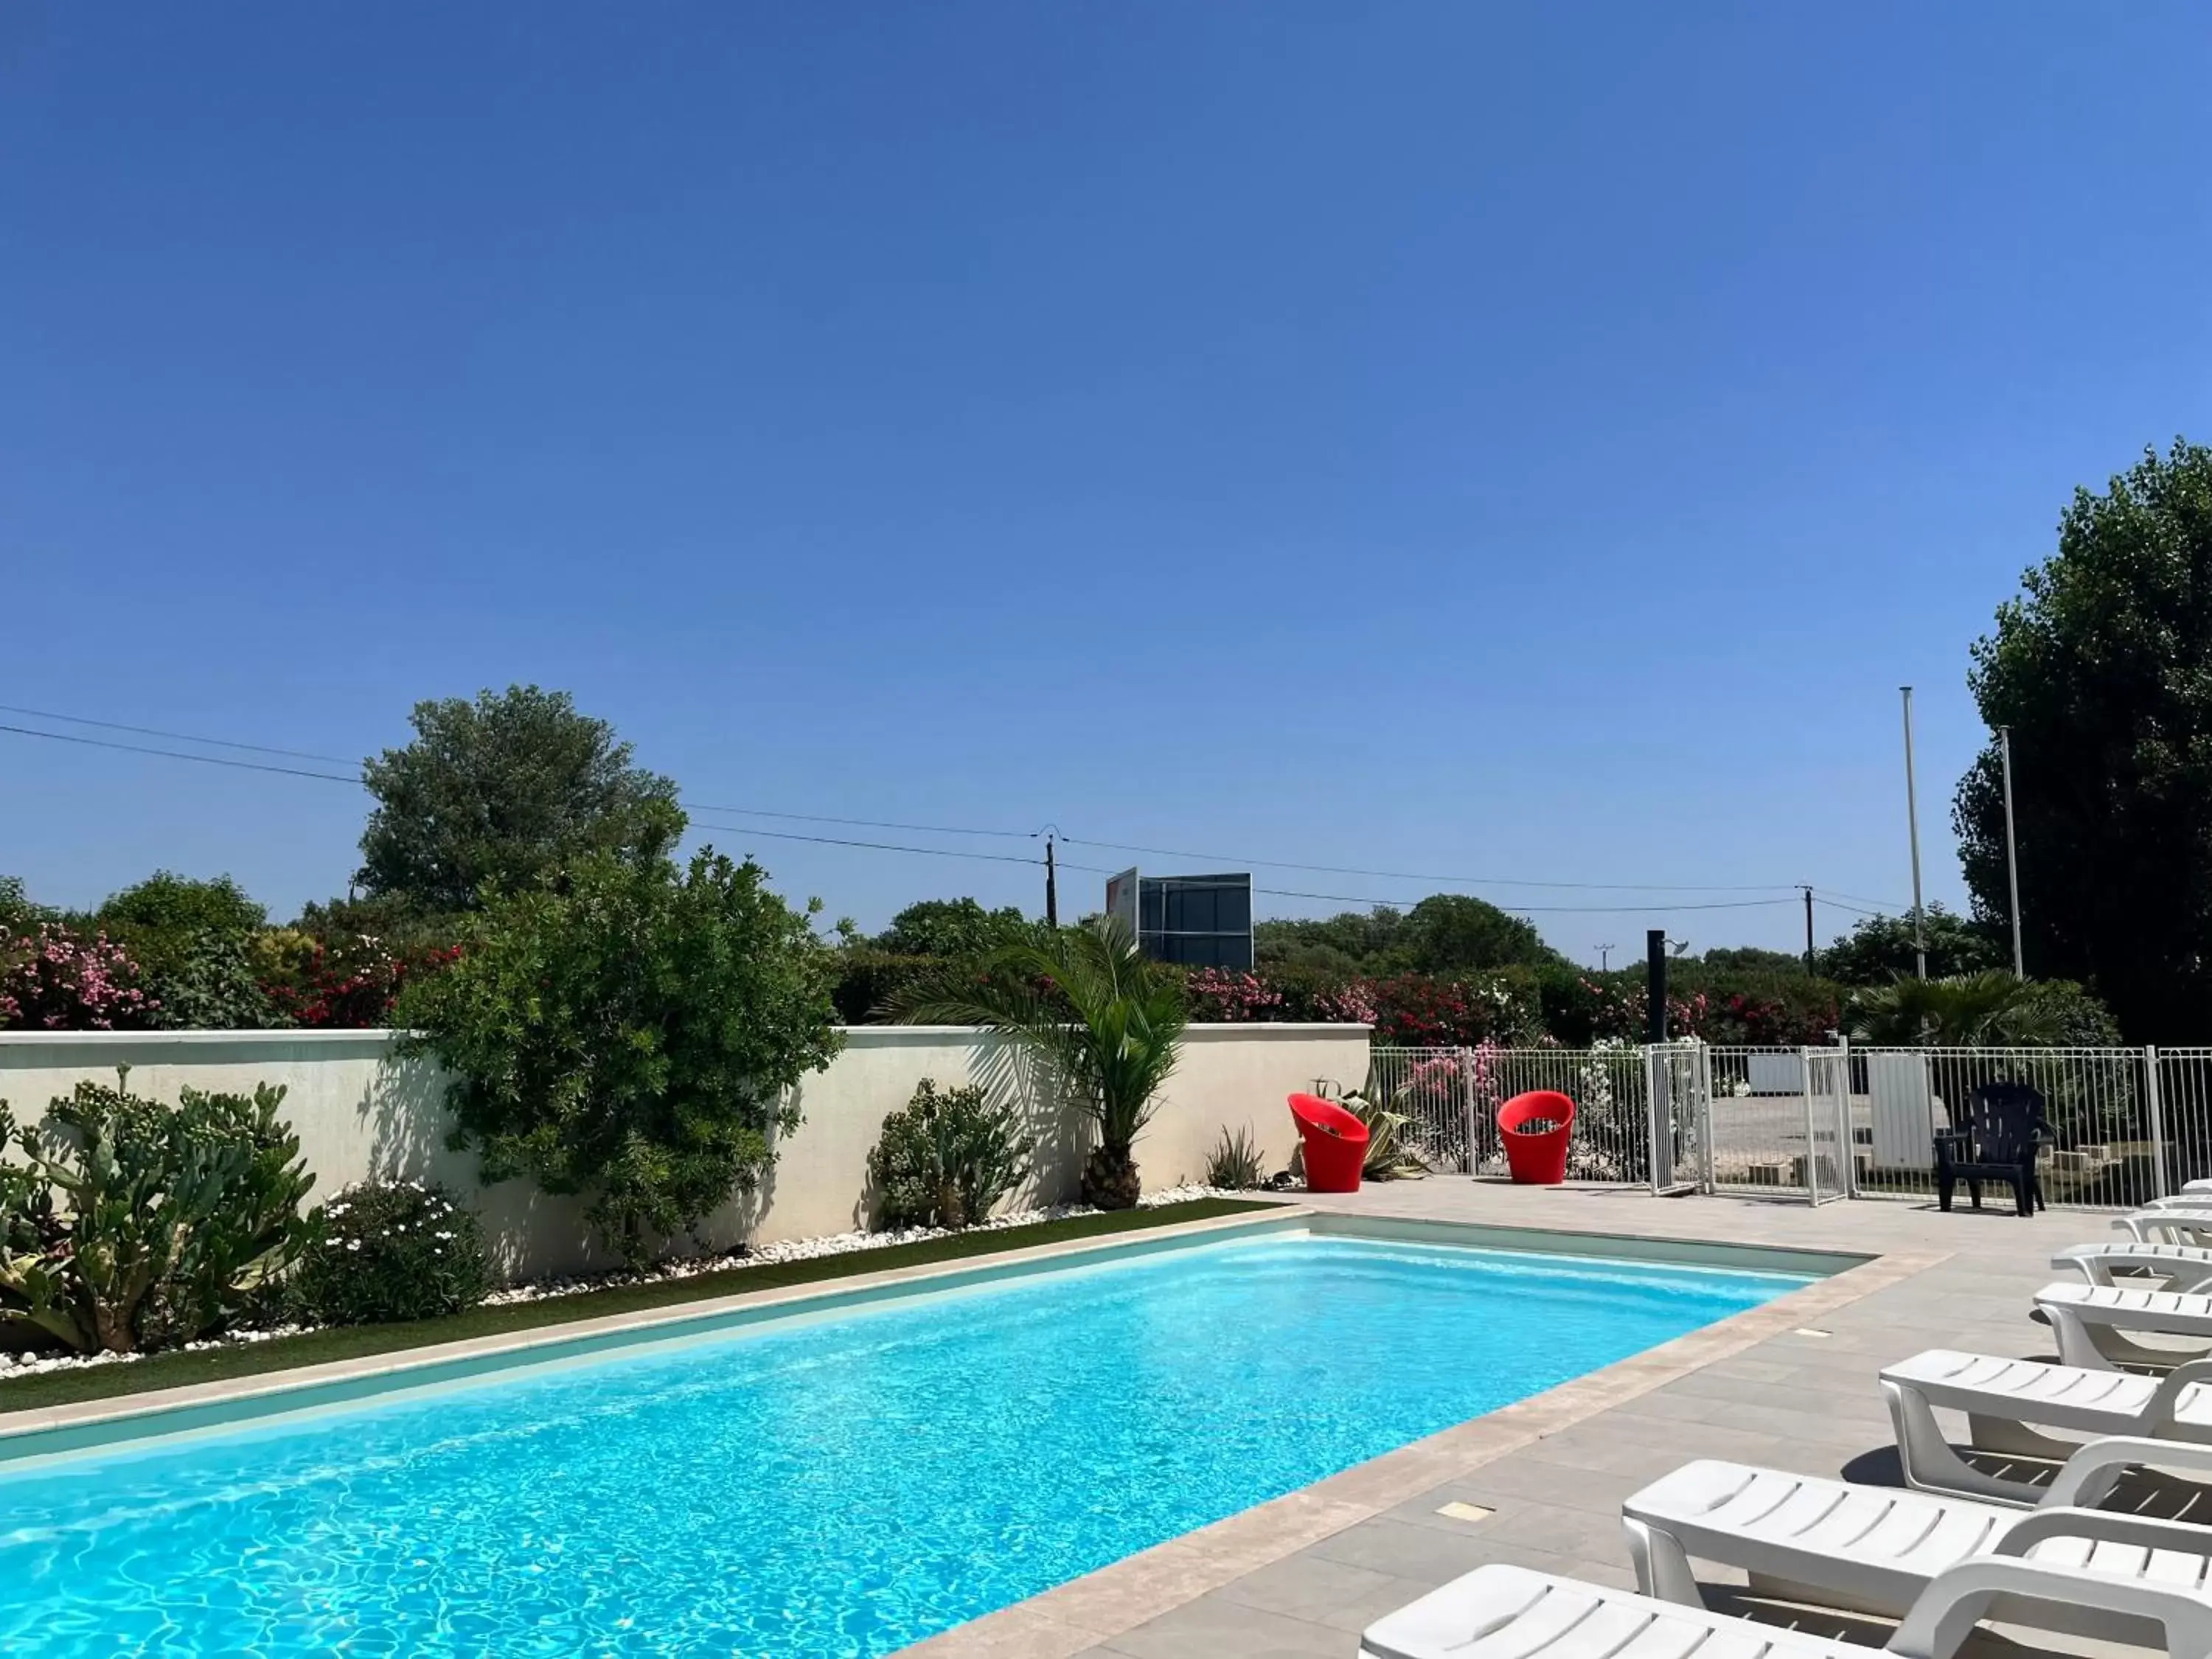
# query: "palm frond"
[[1107, 1021]]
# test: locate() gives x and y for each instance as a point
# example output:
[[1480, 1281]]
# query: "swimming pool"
[[816, 1487]]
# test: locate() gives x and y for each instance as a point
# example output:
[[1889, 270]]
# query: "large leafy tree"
[[630, 1033], [500, 791], [1351, 942], [1879, 949], [1105, 1020], [2102, 667], [955, 927], [1444, 933], [1453, 932], [194, 943]]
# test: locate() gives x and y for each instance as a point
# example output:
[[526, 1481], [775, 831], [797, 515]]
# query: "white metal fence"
[[1817, 1123]]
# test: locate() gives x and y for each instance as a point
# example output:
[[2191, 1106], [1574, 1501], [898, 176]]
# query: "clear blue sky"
[[1529, 442]]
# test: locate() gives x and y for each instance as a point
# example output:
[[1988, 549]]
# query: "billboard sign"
[[1122, 898]]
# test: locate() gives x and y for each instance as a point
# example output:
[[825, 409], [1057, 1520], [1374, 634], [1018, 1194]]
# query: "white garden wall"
[[360, 1110]]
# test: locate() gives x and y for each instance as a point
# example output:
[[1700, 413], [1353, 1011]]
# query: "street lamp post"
[[1912, 828]]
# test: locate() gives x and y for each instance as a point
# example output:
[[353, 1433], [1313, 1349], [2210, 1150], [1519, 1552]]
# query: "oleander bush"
[[946, 1158], [129, 1225], [631, 1033], [389, 1251], [54, 978]]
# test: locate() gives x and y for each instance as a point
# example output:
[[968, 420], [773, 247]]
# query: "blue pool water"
[[839, 1486]]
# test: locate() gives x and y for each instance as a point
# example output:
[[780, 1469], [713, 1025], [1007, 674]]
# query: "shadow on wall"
[[527, 1231], [1061, 1135]]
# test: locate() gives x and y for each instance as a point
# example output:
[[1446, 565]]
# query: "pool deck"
[[1790, 1385]]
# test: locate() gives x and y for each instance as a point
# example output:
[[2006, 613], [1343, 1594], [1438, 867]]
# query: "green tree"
[[1351, 943], [194, 943], [2102, 667], [1880, 948], [1750, 959], [1453, 932], [166, 903], [630, 1033], [19, 915], [955, 927], [502, 790], [1106, 1021]]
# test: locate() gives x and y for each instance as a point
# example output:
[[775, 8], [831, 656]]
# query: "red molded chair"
[[1538, 1158], [1336, 1144]]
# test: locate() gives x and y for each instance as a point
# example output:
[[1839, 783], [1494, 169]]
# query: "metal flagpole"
[[1913, 825]]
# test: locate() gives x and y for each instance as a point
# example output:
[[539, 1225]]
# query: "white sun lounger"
[[1877, 1549], [2091, 1322], [1502, 1611], [2181, 1266], [2008, 1401], [2173, 1223]]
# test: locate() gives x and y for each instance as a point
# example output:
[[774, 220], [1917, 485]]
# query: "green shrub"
[[946, 1159], [1235, 1165], [194, 945], [631, 1033], [870, 980], [391, 1250], [131, 1226]]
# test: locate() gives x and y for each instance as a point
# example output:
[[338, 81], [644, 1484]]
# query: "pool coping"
[[1083, 1611], [45, 1430]]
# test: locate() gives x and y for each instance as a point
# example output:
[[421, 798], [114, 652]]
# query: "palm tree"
[[1105, 1019], [1987, 1010]]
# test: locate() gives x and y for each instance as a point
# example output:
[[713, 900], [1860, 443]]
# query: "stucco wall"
[[360, 1110]]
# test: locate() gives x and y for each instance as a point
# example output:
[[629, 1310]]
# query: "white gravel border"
[[541, 1290]]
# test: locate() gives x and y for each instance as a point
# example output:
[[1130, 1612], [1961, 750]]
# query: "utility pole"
[[1808, 930], [1912, 826], [1604, 957], [1051, 885], [2011, 852]]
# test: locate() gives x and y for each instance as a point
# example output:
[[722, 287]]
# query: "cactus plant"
[[133, 1225]]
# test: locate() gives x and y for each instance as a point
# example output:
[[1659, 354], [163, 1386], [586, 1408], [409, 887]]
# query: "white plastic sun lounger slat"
[[2179, 1267], [1501, 1612], [1875, 1549], [2174, 1223], [2090, 1321], [2009, 1402]]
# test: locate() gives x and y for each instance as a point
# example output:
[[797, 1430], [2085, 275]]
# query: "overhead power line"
[[1850, 909], [1409, 875], [174, 736], [860, 823], [877, 846], [353, 777], [1544, 910], [1830, 897], [174, 754]]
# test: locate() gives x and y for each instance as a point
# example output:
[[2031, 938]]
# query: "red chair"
[[1538, 1158], [1336, 1144]]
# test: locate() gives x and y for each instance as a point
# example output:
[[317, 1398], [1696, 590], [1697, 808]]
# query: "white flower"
[[353, 1244]]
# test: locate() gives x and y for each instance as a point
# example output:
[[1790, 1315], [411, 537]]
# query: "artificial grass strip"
[[178, 1370]]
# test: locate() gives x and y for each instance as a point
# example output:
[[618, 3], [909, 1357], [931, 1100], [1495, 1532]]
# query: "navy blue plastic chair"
[[2003, 1130]]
